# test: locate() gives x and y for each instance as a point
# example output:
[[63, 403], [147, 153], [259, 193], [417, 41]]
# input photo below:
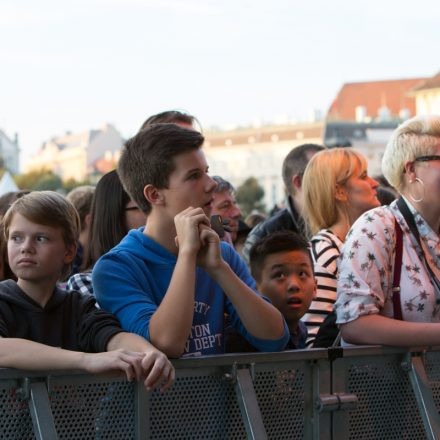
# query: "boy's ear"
[[70, 253], [315, 289], [153, 195]]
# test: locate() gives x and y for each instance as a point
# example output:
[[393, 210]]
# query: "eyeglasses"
[[427, 158]]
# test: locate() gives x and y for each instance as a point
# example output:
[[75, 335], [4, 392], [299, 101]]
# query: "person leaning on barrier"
[[336, 191], [36, 317], [283, 269], [173, 281], [288, 218], [388, 287]]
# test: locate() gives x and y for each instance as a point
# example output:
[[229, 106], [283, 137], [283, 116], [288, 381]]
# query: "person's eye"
[[304, 274], [278, 275], [42, 239], [194, 176], [15, 238]]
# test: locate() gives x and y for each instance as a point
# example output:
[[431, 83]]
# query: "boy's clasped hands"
[[196, 237]]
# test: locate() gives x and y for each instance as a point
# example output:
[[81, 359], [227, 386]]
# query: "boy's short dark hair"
[[47, 208], [170, 117], [280, 241], [147, 158]]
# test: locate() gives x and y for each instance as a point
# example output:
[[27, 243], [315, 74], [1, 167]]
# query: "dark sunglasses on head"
[[427, 158]]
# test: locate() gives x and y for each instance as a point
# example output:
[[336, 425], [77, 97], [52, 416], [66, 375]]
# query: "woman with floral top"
[[336, 190], [369, 309]]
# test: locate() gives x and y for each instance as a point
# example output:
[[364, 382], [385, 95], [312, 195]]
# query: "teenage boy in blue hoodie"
[[173, 281]]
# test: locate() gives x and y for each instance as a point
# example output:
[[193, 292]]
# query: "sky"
[[76, 65]]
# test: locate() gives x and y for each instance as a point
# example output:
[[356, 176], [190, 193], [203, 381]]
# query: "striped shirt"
[[325, 250]]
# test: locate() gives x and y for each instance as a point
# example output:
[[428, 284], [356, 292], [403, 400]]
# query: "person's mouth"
[[294, 302], [26, 262]]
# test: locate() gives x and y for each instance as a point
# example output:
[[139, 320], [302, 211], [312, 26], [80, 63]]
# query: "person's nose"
[[292, 283], [211, 184], [27, 246], [236, 212], [373, 183]]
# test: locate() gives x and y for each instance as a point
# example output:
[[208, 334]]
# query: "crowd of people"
[[156, 262]]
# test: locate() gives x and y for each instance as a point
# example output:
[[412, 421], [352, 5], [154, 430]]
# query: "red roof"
[[374, 95], [430, 83]]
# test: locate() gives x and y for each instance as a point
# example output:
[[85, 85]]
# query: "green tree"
[[39, 180], [71, 183], [249, 196]]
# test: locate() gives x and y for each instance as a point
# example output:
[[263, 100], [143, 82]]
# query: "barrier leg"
[[425, 401], [247, 401], [41, 413], [142, 408]]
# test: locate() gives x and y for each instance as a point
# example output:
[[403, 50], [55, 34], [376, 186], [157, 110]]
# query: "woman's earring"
[[415, 200]]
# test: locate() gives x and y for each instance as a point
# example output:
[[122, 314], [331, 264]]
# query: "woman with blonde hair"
[[388, 287], [336, 191]]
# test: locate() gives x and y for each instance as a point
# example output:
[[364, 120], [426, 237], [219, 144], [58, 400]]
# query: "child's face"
[[287, 280], [37, 253], [189, 184]]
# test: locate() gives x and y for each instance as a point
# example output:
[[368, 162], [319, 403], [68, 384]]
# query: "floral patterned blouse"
[[366, 268]]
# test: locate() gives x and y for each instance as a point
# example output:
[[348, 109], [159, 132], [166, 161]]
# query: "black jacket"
[[69, 320], [285, 219]]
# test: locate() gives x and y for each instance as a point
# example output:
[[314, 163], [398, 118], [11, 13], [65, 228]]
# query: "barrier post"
[[247, 401], [41, 412], [142, 408], [423, 393]]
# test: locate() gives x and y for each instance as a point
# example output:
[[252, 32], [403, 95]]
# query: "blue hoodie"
[[131, 280]]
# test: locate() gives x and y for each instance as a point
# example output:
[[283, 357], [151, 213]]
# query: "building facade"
[[427, 96], [76, 156], [258, 152]]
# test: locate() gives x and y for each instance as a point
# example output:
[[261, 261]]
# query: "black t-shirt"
[[69, 320]]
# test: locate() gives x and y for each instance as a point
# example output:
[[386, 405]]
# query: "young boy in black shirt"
[[43, 327]]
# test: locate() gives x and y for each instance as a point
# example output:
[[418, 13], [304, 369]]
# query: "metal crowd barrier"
[[351, 393]]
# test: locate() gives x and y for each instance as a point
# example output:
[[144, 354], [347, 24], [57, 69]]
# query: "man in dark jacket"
[[288, 218]]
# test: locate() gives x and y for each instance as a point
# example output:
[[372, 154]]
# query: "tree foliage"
[[39, 180], [249, 196], [71, 183]]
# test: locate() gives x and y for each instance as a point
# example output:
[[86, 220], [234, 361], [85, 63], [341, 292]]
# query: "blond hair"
[[47, 208], [324, 172], [416, 137]]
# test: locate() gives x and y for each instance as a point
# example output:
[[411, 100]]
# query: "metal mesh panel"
[[432, 368], [15, 418], [281, 398], [387, 406], [198, 407], [102, 410]]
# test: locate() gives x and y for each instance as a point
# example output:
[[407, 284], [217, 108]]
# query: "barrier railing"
[[354, 393]]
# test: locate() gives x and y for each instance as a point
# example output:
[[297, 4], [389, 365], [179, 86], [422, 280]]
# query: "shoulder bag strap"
[[397, 306]]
